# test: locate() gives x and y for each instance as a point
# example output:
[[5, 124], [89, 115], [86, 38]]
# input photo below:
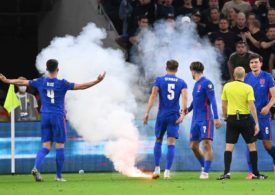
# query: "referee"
[[237, 104]]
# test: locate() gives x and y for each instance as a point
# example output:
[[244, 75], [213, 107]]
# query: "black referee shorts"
[[245, 126]]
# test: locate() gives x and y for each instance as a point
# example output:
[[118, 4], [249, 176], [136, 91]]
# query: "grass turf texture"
[[114, 183]]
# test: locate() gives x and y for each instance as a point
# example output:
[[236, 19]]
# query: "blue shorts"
[[265, 129], [167, 123], [202, 130], [53, 128]]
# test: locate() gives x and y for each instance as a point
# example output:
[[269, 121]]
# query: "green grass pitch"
[[186, 183]]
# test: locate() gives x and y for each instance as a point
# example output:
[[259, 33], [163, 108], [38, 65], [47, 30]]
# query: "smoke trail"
[[103, 113]]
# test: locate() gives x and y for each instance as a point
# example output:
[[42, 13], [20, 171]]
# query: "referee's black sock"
[[227, 161], [254, 162]]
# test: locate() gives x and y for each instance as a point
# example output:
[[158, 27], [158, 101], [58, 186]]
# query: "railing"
[[102, 11]]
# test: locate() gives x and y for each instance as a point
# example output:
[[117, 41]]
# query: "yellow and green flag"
[[12, 100]]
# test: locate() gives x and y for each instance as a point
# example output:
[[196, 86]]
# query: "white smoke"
[[104, 112], [179, 41], [107, 111]]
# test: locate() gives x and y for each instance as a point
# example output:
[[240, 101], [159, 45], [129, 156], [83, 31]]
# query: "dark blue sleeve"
[[157, 82], [211, 96], [190, 108], [184, 85], [67, 85], [36, 83]]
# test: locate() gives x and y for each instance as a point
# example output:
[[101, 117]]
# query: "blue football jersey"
[[204, 96], [170, 88], [52, 92], [261, 85]]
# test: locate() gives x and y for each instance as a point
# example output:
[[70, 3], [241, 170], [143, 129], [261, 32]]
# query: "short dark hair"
[[197, 67], [240, 42], [142, 17], [52, 65], [172, 65], [219, 39], [255, 56]]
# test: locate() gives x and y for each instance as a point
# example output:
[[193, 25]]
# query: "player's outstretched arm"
[[18, 82], [150, 104], [89, 84]]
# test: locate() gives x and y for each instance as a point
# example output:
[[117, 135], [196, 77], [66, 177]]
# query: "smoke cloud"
[[177, 40], [107, 111], [104, 112]]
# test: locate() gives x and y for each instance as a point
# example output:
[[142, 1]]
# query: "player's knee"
[[59, 145], [159, 140], [47, 145], [252, 147], [194, 146], [207, 144], [267, 145], [229, 147], [171, 141]]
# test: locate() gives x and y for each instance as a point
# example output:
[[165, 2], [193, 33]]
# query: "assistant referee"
[[237, 106]]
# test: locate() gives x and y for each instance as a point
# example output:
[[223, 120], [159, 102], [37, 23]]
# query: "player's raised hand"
[[145, 118], [217, 123], [101, 77]]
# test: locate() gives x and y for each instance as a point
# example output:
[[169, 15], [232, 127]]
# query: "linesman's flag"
[[12, 100]]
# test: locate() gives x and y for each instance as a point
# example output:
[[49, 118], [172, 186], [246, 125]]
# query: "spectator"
[[196, 18], [134, 39], [232, 17], [200, 4], [164, 7], [254, 38], [213, 24], [260, 8], [223, 57], [4, 116], [239, 58], [27, 111], [125, 11], [206, 15], [267, 45], [237, 4], [141, 8], [240, 27], [186, 9], [229, 37], [271, 17], [250, 18]]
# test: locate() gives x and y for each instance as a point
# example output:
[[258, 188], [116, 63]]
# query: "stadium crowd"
[[237, 27]]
